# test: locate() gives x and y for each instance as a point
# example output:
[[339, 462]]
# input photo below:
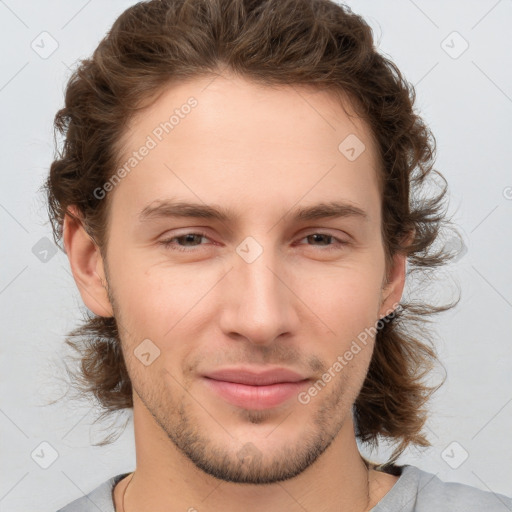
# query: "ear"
[[86, 265], [392, 289]]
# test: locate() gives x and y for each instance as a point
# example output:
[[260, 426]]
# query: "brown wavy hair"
[[305, 42]]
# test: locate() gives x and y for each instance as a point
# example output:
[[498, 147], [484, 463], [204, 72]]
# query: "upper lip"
[[254, 377]]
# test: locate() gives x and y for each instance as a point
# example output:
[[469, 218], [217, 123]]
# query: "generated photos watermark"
[[151, 142]]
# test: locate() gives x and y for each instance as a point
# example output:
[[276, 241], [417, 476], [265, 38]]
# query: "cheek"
[[149, 303], [168, 305], [345, 299], [155, 300]]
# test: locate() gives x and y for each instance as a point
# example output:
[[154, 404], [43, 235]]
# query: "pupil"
[[190, 237], [320, 235]]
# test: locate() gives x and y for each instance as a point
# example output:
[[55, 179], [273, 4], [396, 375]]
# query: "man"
[[234, 200]]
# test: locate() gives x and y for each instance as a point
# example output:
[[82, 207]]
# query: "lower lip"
[[255, 397]]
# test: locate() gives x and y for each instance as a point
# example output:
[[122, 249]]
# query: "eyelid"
[[338, 239], [327, 231]]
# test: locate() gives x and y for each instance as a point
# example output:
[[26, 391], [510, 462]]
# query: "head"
[[267, 116]]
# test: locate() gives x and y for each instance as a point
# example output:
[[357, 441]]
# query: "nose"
[[258, 302]]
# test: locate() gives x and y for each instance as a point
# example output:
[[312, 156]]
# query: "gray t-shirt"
[[415, 491]]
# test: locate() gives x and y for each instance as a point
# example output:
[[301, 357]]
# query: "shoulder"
[[99, 498], [454, 496], [419, 491]]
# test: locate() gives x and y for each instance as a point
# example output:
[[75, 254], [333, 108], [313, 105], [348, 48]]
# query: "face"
[[262, 287]]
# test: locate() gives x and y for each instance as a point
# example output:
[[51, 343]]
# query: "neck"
[[164, 477]]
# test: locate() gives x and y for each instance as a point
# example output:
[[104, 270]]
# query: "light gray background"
[[467, 101]]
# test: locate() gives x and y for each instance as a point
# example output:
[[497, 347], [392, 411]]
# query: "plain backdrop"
[[456, 53]]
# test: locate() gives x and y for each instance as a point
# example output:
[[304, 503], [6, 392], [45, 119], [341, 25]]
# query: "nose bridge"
[[261, 307]]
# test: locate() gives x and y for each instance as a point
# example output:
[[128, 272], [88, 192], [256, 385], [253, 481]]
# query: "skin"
[[261, 152]]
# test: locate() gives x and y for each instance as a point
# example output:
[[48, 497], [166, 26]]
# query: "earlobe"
[[86, 265]]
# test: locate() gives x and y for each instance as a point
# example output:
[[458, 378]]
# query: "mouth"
[[257, 390]]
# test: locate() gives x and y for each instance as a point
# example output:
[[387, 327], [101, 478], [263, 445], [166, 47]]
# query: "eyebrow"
[[183, 209]]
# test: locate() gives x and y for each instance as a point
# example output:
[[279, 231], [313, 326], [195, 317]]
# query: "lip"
[[252, 389], [253, 377]]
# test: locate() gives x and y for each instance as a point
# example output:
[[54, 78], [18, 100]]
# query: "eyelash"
[[169, 245]]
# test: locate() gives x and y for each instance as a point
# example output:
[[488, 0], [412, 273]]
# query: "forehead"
[[214, 139], [229, 106]]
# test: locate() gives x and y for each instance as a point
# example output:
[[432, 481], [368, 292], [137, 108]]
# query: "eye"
[[326, 237], [187, 241], [186, 237]]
